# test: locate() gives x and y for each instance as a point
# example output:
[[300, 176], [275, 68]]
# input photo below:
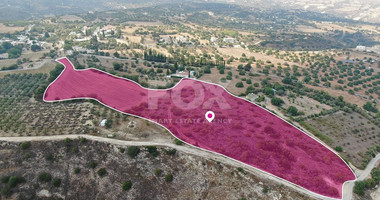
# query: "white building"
[[82, 39], [229, 40], [214, 39], [166, 40], [361, 48], [83, 50]]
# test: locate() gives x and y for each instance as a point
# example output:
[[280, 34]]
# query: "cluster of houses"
[[228, 40], [375, 49], [23, 40], [176, 40], [83, 35]]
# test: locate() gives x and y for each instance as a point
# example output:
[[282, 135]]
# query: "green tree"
[[247, 67], [370, 107], [277, 101], [239, 84], [35, 48], [292, 111], [117, 66]]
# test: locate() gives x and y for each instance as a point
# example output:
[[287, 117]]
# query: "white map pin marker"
[[210, 116]]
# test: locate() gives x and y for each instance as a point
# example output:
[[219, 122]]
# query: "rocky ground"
[[84, 169]]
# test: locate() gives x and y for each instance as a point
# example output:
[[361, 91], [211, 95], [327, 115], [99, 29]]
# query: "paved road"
[[348, 187], [183, 148]]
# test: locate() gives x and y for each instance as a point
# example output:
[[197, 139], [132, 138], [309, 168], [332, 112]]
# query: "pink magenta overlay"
[[240, 130]]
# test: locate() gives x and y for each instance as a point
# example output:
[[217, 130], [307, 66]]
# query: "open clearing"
[[354, 133]]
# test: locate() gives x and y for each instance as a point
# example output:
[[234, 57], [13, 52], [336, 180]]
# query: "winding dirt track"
[[349, 186]]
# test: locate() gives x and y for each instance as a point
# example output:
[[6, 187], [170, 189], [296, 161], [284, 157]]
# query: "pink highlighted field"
[[241, 130]]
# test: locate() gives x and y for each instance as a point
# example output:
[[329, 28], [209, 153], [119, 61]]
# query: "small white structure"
[[229, 40], [251, 97], [4, 56], [83, 50], [361, 48], [214, 39], [103, 122]]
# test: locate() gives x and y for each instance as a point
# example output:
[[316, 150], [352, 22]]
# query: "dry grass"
[[71, 18], [351, 131], [9, 29], [44, 69]]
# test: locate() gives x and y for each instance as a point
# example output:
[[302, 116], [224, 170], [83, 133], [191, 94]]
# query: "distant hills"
[[363, 10], [26, 9]]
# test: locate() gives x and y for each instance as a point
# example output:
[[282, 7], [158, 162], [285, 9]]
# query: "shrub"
[[241, 170], [92, 164], [168, 178], [152, 151], [241, 73], [83, 140], [68, 141], [15, 180], [338, 148], [359, 188], [292, 111], [102, 172], [5, 179], [369, 107], [57, 182], [76, 170], [170, 152], [157, 172], [6, 191], [49, 157], [265, 189], [44, 177], [25, 145], [133, 151], [177, 141], [127, 185], [277, 101]]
